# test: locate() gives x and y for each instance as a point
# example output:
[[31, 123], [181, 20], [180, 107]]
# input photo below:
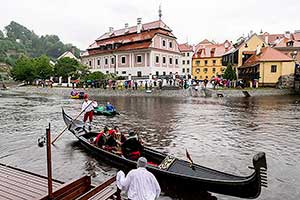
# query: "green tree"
[[24, 70], [95, 76], [1, 35], [229, 73], [43, 67], [66, 67]]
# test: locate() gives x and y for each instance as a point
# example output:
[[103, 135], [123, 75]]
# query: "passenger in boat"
[[106, 140], [132, 147], [87, 108], [109, 107], [120, 137], [74, 93], [139, 184]]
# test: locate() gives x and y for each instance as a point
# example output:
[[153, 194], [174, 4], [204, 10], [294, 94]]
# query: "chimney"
[[126, 27], [258, 50], [111, 30], [287, 34], [267, 39], [139, 25]]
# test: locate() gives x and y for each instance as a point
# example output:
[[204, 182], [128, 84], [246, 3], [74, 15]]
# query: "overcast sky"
[[82, 21]]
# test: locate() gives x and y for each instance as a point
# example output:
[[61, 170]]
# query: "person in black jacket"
[[132, 147]]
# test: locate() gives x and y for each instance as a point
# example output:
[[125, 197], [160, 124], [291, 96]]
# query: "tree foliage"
[[66, 67], [28, 69], [229, 73], [21, 40]]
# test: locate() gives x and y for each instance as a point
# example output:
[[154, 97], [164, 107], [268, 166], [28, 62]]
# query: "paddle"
[[190, 159], [67, 126]]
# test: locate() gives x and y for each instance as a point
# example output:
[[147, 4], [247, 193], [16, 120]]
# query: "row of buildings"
[[151, 49]]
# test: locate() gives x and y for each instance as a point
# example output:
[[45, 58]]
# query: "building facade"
[[140, 51], [266, 66], [242, 51], [187, 52], [207, 59]]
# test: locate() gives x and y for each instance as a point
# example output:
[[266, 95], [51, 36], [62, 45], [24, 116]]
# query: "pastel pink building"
[[138, 51]]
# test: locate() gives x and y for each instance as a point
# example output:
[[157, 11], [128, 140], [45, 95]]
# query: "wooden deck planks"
[[19, 185]]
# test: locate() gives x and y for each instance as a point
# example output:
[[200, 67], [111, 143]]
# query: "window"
[[183, 70], [90, 63], [183, 62], [98, 62], [170, 61], [187, 70], [112, 60], [198, 70], [139, 59], [187, 54], [157, 59], [157, 73], [123, 72], [188, 62], [123, 59], [164, 60], [196, 77], [205, 62], [107, 72], [176, 61], [246, 45], [139, 74], [164, 73], [106, 61], [205, 70], [214, 70], [214, 62], [273, 68], [197, 62], [171, 44], [164, 43], [117, 72]]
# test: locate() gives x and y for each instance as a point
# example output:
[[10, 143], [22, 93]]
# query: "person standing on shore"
[[140, 184], [88, 108]]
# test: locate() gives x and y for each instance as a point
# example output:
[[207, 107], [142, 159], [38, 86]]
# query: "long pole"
[[49, 163], [67, 126]]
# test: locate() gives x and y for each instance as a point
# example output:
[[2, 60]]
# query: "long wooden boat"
[[174, 174]]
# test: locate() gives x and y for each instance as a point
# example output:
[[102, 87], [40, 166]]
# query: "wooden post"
[[49, 164]]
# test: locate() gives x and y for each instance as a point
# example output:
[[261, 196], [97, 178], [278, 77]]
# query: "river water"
[[220, 133]]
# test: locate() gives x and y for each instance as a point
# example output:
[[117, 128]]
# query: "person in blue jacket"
[[110, 107]]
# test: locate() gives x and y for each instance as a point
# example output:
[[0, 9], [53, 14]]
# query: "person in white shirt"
[[88, 108], [140, 184]]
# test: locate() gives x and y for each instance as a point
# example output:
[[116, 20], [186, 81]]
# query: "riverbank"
[[163, 93]]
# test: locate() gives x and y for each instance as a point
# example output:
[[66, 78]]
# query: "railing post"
[[49, 163]]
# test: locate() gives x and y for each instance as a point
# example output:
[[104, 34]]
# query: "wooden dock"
[[18, 184]]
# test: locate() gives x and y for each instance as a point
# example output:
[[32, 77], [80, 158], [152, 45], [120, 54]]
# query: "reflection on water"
[[219, 133]]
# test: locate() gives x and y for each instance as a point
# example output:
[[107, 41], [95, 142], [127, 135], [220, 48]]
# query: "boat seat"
[[166, 163]]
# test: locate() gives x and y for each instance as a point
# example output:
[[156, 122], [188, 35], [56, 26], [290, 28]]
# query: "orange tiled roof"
[[271, 38], [211, 50], [296, 36], [267, 54], [185, 47], [145, 27]]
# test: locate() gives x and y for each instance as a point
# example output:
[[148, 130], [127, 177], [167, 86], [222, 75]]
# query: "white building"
[[138, 51], [187, 52]]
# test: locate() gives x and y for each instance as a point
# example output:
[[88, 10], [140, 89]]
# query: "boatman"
[[110, 107], [88, 108], [139, 184]]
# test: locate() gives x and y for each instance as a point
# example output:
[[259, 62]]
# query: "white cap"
[[142, 162]]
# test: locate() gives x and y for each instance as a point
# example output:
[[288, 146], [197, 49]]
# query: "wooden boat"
[[173, 173], [100, 110]]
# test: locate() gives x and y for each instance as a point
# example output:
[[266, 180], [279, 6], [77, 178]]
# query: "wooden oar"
[[67, 126]]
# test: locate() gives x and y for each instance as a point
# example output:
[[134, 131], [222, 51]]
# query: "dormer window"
[[246, 45], [290, 44]]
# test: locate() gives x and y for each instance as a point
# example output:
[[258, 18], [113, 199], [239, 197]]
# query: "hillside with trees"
[[17, 40]]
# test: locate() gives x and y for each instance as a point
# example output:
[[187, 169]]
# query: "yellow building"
[[242, 51], [207, 60], [267, 65]]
